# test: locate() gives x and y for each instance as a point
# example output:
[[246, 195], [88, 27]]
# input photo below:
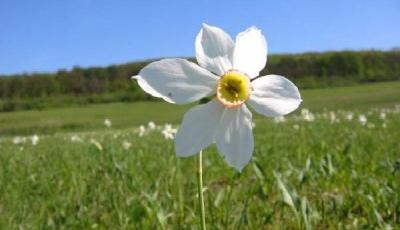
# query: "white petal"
[[274, 95], [214, 49], [234, 137], [198, 128], [176, 80], [250, 54]]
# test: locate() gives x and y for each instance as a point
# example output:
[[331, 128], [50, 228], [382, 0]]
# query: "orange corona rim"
[[233, 89]]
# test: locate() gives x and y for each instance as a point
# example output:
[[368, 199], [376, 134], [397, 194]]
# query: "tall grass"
[[333, 172]]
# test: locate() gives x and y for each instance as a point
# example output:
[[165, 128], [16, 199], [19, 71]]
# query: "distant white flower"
[[142, 130], [76, 138], [362, 119], [169, 132], [349, 116], [307, 115], [382, 115], [126, 145], [18, 140], [384, 125], [296, 126], [107, 123], [279, 119], [152, 125], [35, 139], [228, 70], [332, 117]]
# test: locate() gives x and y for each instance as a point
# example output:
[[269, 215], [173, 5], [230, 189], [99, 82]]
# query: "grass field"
[[329, 170], [126, 115]]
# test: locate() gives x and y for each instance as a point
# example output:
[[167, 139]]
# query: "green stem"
[[180, 194], [200, 191]]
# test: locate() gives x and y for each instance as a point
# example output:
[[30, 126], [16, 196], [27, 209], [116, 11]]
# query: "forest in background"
[[113, 83]]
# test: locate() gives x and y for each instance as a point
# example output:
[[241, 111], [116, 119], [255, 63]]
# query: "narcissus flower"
[[35, 139], [229, 70], [168, 132], [107, 123]]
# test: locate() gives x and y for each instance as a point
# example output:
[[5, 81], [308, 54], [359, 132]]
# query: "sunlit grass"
[[331, 173]]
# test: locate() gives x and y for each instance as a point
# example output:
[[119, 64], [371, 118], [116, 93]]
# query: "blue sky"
[[47, 35]]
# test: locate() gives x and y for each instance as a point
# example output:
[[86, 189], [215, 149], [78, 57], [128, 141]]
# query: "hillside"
[[113, 83], [122, 115]]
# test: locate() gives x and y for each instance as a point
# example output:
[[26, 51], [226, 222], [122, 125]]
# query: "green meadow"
[[125, 115], [328, 170]]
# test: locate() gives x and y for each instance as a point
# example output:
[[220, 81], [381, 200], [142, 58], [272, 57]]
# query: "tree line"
[[113, 83]]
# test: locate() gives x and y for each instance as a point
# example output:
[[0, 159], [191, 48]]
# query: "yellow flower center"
[[233, 89]]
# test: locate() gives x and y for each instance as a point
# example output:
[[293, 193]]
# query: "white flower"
[[332, 116], [362, 119], [142, 130], [76, 138], [18, 140], [168, 132], [228, 70], [349, 116], [107, 123], [296, 126], [382, 115], [126, 145], [307, 115], [35, 139], [152, 125], [279, 119]]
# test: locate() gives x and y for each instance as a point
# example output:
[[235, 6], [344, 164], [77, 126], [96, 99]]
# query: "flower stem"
[[180, 195], [200, 191]]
